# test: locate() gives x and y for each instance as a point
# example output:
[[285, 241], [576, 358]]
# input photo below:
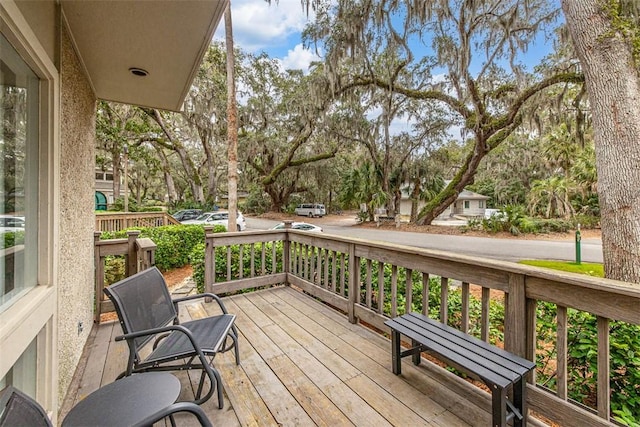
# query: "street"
[[496, 248]]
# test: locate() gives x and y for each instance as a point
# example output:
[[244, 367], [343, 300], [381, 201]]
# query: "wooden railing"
[[138, 254], [116, 221], [363, 278]]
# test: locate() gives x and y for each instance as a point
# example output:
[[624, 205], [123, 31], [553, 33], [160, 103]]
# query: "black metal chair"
[[147, 312], [18, 410]]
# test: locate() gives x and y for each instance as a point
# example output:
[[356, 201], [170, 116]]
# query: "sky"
[[273, 28]]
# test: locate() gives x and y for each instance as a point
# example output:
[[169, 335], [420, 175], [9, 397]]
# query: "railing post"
[[286, 249], [99, 275], [353, 281], [145, 249], [131, 267], [515, 333], [209, 260]]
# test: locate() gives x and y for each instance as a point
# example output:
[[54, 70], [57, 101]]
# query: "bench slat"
[[463, 361], [506, 359]]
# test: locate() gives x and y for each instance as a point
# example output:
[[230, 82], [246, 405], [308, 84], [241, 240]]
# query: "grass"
[[596, 270]]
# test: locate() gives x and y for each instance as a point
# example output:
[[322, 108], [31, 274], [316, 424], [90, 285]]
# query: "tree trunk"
[[232, 123], [613, 85], [168, 178]]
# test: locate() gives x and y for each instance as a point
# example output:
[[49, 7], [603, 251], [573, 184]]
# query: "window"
[[19, 110], [481, 204], [466, 204], [22, 374]]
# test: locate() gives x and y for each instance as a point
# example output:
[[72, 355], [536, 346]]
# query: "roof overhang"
[[166, 39]]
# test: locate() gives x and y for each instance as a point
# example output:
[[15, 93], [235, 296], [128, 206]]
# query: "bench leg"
[[396, 362], [520, 402], [498, 406], [416, 356]]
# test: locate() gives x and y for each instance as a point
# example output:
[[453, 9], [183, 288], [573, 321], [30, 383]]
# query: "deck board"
[[302, 364]]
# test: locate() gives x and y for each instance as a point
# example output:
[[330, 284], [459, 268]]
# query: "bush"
[[196, 259], [513, 220], [12, 239], [174, 242]]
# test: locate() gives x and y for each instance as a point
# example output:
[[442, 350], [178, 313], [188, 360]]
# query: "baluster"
[[380, 287], [444, 300], [326, 280], [425, 294], [532, 337], [253, 260], [394, 290], [368, 284], [484, 316], [228, 263], [263, 259], [312, 266], [465, 307], [409, 291], [604, 384], [274, 258], [343, 274], [561, 358], [334, 271], [300, 271], [241, 262]]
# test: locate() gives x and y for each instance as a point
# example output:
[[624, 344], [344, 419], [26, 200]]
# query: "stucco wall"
[[76, 217]]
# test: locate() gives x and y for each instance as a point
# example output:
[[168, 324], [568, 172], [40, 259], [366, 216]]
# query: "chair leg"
[[219, 387], [235, 345]]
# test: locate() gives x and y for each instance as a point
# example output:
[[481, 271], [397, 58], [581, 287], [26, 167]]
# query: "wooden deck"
[[302, 364]]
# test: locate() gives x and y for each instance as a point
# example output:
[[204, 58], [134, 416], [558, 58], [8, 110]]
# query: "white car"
[[11, 224], [302, 226], [218, 218]]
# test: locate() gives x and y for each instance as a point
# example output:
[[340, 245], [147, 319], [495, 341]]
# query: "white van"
[[310, 210]]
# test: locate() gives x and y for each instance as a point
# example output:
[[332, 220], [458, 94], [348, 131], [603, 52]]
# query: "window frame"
[[34, 314]]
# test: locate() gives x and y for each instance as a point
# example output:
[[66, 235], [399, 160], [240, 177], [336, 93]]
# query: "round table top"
[[126, 401]]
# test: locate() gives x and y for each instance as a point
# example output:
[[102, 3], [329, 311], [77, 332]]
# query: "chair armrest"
[[155, 331], [198, 296], [175, 408]]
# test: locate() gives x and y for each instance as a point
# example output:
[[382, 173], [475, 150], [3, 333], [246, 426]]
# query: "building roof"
[[164, 39], [470, 195]]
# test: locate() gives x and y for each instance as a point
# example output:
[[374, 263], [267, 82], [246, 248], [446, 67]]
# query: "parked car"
[[187, 214], [302, 226], [218, 218], [311, 210], [11, 224]]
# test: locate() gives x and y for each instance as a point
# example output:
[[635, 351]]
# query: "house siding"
[[76, 217]]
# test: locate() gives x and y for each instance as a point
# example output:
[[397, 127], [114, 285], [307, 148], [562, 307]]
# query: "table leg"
[[498, 406], [395, 352], [415, 357], [520, 402]]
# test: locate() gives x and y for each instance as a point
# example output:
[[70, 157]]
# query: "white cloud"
[[299, 58], [258, 24]]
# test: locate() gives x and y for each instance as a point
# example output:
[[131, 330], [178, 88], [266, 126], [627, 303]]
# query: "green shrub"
[[196, 259], [174, 243], [582, 336], [12, 239]]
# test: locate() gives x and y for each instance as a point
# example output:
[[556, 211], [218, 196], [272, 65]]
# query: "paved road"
[[504, 249]]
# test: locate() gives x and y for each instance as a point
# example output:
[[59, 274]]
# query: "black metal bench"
[[497, 368]]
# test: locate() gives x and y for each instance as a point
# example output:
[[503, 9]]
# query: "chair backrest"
[[18, 409], [142, 302]]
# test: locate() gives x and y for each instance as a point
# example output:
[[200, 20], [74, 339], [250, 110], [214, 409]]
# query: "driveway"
[[496, 248]]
